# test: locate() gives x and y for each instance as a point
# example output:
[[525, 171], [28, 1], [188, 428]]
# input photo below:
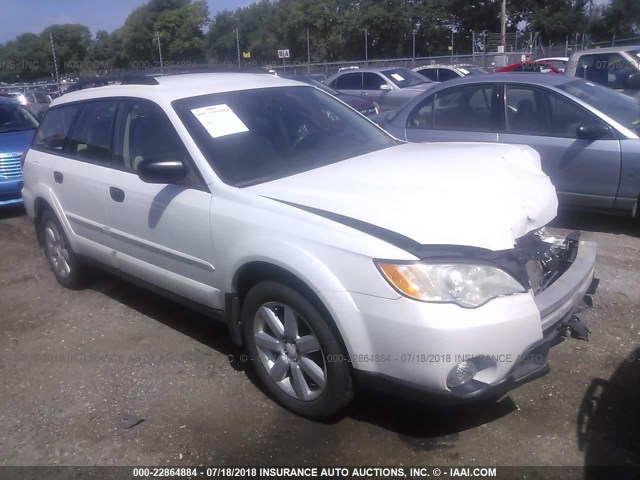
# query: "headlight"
[[467, 285]]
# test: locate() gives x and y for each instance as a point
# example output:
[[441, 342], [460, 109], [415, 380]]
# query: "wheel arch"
[[255, 271]]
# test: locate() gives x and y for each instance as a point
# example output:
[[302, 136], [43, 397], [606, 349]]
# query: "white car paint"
[[477, 195]]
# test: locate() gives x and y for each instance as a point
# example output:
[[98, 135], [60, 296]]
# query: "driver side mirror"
[[161, 171], [385, 88], [592, 131], [632, 81]]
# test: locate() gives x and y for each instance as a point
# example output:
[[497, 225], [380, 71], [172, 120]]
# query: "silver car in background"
[[389, 88], [587, 135]]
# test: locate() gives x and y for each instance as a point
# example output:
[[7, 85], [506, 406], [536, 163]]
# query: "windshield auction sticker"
[[219, 120]]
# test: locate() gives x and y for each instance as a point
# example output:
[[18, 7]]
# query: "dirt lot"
[[77, 366]]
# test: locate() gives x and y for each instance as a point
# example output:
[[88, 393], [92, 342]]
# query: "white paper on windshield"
[[399, 78], [464, 70], [219, 120]]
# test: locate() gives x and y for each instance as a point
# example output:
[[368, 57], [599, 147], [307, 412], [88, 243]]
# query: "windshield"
[[254, 136], [623, 109], [403, 77], [14, 118]]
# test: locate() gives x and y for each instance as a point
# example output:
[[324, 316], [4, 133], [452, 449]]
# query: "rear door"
[[585, 172], [75, 141], [161, 232], [459, 114]]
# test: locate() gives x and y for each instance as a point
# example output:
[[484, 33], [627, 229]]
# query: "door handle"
[[116, 194], [58, 177], [364, 94]]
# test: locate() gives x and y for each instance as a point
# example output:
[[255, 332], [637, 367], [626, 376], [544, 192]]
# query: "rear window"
[[55, 128], [403, 77]]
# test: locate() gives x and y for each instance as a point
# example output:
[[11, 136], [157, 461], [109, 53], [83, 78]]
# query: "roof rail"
[[139, 80]]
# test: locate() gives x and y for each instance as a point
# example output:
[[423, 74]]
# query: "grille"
[[10, 166]]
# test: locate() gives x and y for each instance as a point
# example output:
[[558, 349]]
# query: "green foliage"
[[179, 24], [336, 30]]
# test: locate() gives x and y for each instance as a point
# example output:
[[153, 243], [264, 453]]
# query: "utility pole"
[[451, 45], [159, 52], [414, 47], [238, 46], [55, 62], [308, 54], [503, 25], [366, 48], [473, 43]]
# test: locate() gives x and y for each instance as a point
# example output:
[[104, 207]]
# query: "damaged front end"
[[560, 272]]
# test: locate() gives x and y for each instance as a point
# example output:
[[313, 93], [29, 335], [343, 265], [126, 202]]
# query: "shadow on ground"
[[422, 427], [596, 222], [12, 212], [609, 418]]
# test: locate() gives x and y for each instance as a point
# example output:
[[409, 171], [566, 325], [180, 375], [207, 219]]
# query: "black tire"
[[76, 276], [328, 399]]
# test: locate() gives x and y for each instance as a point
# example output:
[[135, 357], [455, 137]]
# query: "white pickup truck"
[[616, 67]]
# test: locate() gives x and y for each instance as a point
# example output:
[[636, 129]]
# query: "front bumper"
[[517, 331], [10, 192]]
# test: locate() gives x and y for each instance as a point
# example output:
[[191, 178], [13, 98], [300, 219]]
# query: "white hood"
[[482, 195]]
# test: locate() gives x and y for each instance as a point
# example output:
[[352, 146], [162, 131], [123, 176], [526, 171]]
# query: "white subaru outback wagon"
[[338, 256]]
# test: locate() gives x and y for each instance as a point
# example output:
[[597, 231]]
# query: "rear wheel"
[[64, 263], [295, 352]]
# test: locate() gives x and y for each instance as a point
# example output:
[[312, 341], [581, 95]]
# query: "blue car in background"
[[17, 128]]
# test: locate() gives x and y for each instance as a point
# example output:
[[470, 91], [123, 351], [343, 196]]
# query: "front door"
[[161, 232], [585, 172]]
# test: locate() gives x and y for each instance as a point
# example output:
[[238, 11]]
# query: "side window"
[[525, 114], [566, 116], [91, 136], [609, 70], [349, 81], [446, 74], [372, 81], [55, 129], [539, 112], [422, 115], [430, 73], [144, 132], [464, 109]]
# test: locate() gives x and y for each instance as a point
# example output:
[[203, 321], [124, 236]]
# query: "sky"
[[22, 16]]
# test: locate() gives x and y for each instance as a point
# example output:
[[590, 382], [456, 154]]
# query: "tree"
[[179, 22]]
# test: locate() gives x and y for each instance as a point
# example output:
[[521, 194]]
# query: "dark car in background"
[[389, 87], [587, 135], [17, 128], [361, 104]]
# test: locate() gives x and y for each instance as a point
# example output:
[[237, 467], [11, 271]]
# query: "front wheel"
[[291, 346]]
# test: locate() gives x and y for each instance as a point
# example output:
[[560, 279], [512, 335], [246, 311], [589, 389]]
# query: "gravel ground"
[[77, 367]]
